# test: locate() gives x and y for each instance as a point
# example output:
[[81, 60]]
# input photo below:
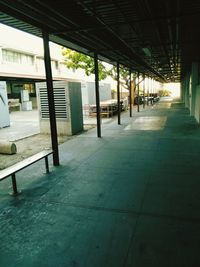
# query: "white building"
[[22, 63]]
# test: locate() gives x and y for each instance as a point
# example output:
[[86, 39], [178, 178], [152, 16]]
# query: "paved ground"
[[22, 125], [26, 123], [24, 131], [130, 198]]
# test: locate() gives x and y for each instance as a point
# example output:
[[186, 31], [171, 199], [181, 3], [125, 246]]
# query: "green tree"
[[124, 76], [75, 60]]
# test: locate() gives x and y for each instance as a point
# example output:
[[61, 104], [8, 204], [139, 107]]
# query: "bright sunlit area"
[[174, 89]]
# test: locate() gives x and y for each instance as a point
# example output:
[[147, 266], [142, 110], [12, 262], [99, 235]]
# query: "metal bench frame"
[[12, 170]]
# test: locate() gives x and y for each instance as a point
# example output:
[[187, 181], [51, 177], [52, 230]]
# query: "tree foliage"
[[164, 92], [124, 76], [75, 60]]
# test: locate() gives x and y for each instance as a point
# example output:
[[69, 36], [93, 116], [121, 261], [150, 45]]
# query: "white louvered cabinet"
[[68, 107]]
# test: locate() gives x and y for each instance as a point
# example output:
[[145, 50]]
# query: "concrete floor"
[[26, 123], [22, 125], [131, 198]]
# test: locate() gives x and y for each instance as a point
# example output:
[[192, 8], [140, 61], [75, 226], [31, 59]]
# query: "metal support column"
[[148, 92], [118, 96], [138, 93], [49, 81], [47, 164], [14, 184], [143, 90], [152, 91], [97, 95], [182, 89], [130, 94]]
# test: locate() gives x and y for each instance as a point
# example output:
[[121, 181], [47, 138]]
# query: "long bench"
[[12, 170]]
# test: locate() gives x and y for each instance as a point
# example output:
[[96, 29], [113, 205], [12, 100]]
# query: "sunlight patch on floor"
[[153, 123]]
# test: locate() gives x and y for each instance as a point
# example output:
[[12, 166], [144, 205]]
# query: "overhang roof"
[[157, 37]]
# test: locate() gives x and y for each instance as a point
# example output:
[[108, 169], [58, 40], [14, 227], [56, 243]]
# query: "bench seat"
[[10, 171]]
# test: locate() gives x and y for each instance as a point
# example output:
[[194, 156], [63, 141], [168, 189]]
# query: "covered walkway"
[[130, 198]]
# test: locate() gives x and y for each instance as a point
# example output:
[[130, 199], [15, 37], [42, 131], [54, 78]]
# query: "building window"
[[54, 64], [31, 89], [40, 62], [16, 57], [26, 59], [10, 56]]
